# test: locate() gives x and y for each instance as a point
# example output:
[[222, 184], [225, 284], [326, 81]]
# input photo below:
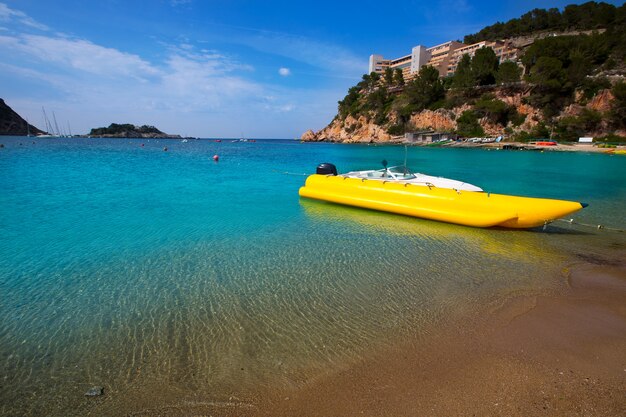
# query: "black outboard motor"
[[326, 169]]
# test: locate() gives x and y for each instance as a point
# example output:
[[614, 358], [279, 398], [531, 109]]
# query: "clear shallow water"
[[129, 267]]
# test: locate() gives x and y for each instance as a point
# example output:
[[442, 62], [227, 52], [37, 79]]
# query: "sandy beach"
[[529, 146], [559, 354], [568, 147]]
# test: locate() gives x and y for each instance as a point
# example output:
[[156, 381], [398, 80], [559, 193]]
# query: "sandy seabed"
[[559, 354]]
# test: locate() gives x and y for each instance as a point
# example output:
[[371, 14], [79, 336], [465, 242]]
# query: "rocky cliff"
[[13, 124], [365, 130], [350, 130]]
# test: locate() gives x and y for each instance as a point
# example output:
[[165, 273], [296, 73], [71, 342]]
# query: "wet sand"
[[559, 354]]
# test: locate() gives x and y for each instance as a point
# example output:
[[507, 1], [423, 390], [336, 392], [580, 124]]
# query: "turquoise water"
[[146, 271]]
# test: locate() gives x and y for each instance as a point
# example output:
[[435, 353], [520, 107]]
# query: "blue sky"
[[270, 69]]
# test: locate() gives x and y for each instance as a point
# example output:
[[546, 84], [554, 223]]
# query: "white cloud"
[[85, 56], [176, 3], [7, 14], [203, 83], [88, 76], [215, 61], [335, 59], [188, 89]]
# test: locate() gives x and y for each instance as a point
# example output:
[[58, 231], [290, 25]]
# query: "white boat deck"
[[403, 175]]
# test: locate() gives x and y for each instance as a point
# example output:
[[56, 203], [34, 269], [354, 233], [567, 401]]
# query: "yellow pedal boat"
[[435, 198]]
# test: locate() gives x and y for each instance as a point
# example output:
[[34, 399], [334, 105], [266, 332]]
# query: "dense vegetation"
[[118, 129], [376, 97], [559, 70], [588, 16]]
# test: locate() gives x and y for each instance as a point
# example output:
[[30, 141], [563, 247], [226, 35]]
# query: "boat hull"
[[477, 209]]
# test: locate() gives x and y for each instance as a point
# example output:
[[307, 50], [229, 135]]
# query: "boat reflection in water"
[[504, 243]]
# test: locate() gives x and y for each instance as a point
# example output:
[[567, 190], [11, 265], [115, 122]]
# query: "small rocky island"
[[130, 131], [12, 124]]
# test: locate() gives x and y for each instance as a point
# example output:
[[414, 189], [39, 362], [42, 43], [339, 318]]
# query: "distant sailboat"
[[48, 126], [52, 129], [57, 132]]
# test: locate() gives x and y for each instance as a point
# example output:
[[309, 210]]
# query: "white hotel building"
[[444, 57]]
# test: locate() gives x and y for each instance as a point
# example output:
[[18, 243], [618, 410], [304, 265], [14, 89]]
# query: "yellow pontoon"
[[466, 205]]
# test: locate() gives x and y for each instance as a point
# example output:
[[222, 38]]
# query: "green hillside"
[[559, 71]]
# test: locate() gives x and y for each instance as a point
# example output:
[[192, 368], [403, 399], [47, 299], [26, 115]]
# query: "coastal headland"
[[531, 78], [12, 123], [496, 111]]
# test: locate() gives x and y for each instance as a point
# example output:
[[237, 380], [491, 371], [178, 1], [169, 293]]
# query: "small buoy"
[[165, 149], [216, 158], [142, 144]]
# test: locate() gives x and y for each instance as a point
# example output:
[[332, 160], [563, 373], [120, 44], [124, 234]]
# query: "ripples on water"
[[129, 267]]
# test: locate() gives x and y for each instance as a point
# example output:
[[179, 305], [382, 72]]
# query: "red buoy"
[[216, 158]]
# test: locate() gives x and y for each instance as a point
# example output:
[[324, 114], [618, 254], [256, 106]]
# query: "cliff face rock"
[[362, 129], [602, 101], [533, 116], [12, 123], [439, 120], [350, 130], [516, 99], [308, 136]]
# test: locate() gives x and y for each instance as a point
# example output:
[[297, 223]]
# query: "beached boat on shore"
[[397, 190]]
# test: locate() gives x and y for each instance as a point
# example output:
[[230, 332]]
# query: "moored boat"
[[403, 175], [397, 190]]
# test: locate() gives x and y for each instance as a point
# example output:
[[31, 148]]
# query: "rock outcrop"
[[362, 129], [13, 124], [350, 130], [602, 101], [308, 136], [439, 120]]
